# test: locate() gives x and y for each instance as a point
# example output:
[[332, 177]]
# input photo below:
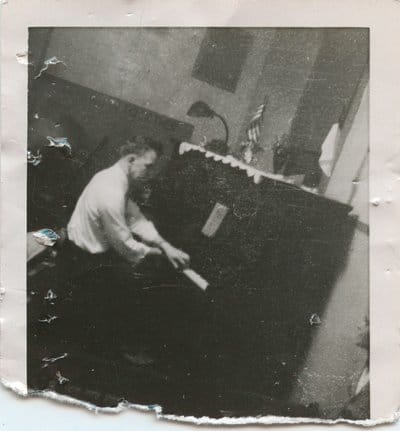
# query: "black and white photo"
[[197, 219]]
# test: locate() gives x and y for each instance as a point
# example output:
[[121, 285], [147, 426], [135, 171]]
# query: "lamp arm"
[[225, 125]]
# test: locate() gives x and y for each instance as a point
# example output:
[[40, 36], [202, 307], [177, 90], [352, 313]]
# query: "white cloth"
[[104, 217], [328, 150]]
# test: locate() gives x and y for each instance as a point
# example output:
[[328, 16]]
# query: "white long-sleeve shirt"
[[104, 217]]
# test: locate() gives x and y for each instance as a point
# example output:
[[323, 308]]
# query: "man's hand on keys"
[[178, 258]]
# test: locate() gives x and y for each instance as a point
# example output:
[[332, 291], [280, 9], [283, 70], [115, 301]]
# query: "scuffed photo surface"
[[271, 205]]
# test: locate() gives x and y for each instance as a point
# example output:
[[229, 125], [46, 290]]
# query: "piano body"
[[270, 252]]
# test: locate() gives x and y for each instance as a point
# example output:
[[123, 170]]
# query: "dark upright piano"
[[270, 252]]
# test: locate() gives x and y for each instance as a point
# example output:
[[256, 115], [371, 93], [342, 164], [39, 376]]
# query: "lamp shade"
[[200, 109]]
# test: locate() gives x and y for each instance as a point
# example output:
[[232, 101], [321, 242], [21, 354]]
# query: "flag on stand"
[[254, 127], [253, 131]]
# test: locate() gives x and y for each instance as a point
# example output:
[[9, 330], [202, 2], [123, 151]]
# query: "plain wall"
[[152, 68], [335, 361]]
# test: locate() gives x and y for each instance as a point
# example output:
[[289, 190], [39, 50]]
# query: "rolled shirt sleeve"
[[119, 236], [139, 225]]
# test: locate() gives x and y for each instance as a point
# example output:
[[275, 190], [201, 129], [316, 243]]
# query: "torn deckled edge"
[[204, 420], [360, 13], [271, 420]]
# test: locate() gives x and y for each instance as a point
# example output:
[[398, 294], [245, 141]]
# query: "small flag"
[[254, 128], [253, 132]]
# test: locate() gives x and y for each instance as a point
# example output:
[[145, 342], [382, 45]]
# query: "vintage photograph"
[[197, 219]]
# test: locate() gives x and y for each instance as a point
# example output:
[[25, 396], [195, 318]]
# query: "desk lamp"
[[200, 109]]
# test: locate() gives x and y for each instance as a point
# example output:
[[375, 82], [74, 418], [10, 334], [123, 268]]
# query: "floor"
[[130, 336]]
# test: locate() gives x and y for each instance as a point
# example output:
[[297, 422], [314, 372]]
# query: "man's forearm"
[[161, 243]]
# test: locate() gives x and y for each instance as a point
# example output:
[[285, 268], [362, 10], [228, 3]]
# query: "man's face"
[[142, 167]]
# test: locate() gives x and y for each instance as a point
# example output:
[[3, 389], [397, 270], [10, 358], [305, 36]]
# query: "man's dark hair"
[[139, 145]]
